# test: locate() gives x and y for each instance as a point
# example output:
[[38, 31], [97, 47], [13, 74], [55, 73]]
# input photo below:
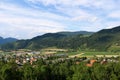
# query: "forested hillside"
[[49, 40], [104, 40]]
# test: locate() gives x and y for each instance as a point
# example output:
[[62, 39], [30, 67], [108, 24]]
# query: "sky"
[[25, 19]]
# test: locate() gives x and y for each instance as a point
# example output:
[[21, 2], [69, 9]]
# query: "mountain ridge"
[[7, 40], [68, 33], [103, 40]]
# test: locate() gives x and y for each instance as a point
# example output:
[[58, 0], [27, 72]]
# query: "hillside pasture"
[[93, 54]]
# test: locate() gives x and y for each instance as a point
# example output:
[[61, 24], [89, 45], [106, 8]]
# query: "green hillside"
[[67, 33], [104, 40], [59, 40]]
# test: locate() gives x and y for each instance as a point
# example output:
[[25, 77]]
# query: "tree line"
[[67, 70]]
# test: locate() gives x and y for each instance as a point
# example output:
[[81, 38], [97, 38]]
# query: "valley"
[[63, 56], [59, 39]]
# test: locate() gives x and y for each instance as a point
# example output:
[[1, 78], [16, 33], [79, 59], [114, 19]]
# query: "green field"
[[92, 54], [99, 53]]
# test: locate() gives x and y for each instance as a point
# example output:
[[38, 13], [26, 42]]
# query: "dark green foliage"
[[48, 40], [104, 39], [67, 70], [76, 33]]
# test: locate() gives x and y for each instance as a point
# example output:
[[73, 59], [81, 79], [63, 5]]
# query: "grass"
[[91, 53], [86, 53], [99, 53]]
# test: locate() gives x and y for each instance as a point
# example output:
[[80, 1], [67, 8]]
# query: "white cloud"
[[104, 4], [28, 21], [14, 9], [30, 27], [73, 8], [112, 24], [56, 15], [114, 14]]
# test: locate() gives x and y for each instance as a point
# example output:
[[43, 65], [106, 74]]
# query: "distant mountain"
[[7, 40]]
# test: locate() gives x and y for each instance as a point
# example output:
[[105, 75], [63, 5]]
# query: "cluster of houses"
[[23, 57], [102, 60]]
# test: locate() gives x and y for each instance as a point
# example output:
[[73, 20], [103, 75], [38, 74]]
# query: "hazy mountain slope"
[[7, 40]]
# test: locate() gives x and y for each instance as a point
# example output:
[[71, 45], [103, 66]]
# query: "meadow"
[[92, 54]]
